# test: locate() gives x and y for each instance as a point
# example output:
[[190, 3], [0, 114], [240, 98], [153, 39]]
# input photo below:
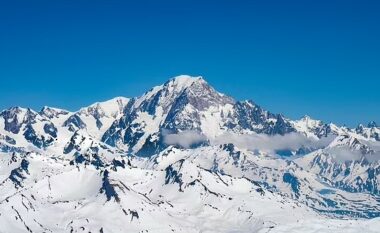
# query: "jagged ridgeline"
[[184, 158]]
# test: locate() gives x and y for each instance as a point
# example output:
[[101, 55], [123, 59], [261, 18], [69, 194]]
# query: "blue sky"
[[320, 58]]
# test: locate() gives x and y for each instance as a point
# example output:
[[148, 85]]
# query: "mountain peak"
[[15, 109], [109, 108], [186, 80], [52, 112], [372, 124], [179, 88], [181, 82], [119, 99], [310, 122]]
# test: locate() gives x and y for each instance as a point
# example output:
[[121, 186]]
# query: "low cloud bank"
[[271, 143], [184, 139], [344, 154], [263, 142]]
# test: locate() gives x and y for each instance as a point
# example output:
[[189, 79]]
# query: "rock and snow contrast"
[[185, 158]]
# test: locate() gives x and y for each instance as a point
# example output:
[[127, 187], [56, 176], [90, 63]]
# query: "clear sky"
[[320, 58]]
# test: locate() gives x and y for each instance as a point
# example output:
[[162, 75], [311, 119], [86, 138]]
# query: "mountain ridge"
[[183, 142]]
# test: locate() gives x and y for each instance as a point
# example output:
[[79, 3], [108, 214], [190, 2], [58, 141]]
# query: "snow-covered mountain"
[[184, 158]]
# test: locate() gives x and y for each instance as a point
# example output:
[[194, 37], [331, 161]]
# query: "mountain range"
[[185, 158]]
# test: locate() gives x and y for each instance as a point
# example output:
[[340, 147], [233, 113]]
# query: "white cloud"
[[263, 142], [185, 138], [344, 154], [271, 143]]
